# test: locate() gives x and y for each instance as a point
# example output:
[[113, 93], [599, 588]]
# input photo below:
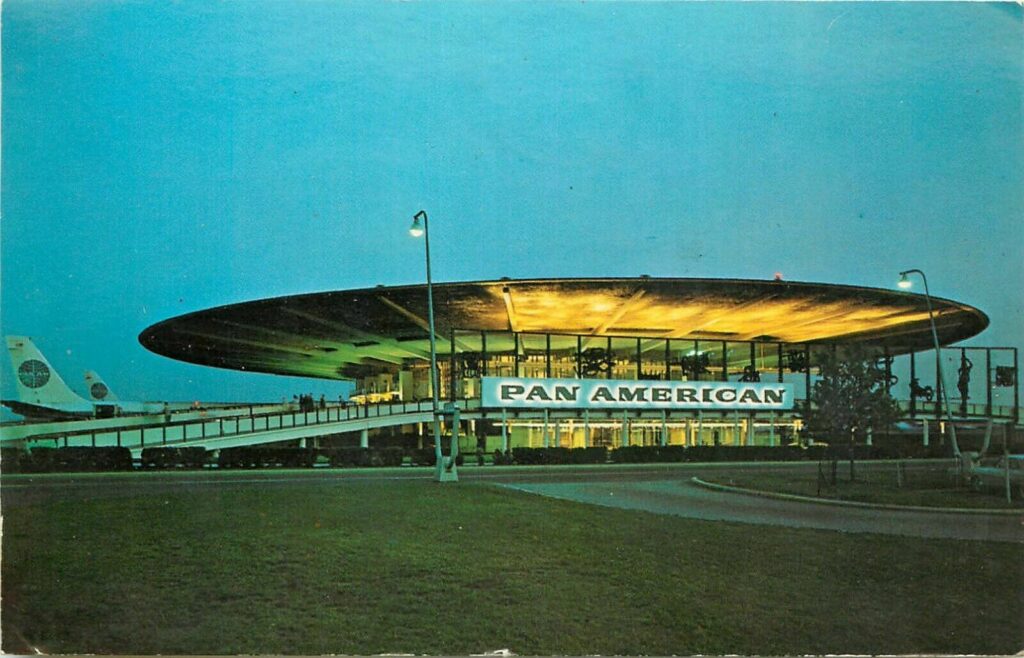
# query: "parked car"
[[990, 473]]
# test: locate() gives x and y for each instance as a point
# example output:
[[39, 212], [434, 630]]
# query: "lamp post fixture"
[[905, 283], [444, 470]]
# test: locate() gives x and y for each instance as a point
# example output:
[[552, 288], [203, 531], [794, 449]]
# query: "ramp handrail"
[[174, 432]]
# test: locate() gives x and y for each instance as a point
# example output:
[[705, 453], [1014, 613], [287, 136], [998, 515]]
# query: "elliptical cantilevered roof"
[[350, 333]]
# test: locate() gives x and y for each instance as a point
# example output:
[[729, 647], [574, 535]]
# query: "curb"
[[852, 503]]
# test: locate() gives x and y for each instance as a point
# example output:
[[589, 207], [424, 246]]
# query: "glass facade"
[[466, 356]]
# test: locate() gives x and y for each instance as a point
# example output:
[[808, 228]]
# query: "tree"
[[851, 397]]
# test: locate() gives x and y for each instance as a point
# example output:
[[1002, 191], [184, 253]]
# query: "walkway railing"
[[925, 409], [176, 432]]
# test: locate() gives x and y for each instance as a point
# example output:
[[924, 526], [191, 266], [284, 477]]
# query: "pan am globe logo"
[[33, 373], [522, 392], [98, 391]]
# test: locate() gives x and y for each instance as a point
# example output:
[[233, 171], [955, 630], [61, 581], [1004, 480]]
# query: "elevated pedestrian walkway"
[[223, 428]]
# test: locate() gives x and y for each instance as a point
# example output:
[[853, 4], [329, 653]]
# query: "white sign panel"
[[524, 393]]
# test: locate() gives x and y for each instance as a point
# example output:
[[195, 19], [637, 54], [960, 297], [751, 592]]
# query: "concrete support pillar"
[[737, 434], [771, 428], [504, 431], [625, 429], [699, 439], [750, 429], [664, 428], [687, 430], [558, 433], [456, 429], [988, 438], [869, 437], [446, 470], [302, 443], [364, 438], [924, 432], [546, 439], [586, 428]]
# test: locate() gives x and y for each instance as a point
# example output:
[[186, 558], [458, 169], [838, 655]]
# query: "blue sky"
[[165, 157]]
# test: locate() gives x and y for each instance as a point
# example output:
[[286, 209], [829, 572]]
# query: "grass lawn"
[[932, 487], [364, 567]]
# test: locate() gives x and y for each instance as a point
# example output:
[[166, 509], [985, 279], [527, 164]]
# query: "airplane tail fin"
[[98, 389], [37, 382]]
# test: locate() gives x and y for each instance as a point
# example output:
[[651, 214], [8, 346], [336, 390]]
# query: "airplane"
[[98, 389], [43, 395]]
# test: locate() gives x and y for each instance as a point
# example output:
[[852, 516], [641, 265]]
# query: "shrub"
[[173, 457], [502, 458], [77, 459], [592, 455], [13, 460], [426, 457], [266, 457], [234, 458], [816, 453], [649, 454], [389, 456], [360, 457], [559, 455]]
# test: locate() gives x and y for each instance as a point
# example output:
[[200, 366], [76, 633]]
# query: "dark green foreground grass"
[[370, 567]]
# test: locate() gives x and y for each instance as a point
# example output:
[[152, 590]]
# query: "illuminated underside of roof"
[[346, 334]]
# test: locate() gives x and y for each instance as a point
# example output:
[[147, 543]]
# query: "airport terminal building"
[[624, 361]]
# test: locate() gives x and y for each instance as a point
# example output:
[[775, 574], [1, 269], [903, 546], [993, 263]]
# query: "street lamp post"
[[905, 283], [444, 470]]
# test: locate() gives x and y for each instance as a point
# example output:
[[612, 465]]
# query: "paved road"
[[683, 498], [661, 489]]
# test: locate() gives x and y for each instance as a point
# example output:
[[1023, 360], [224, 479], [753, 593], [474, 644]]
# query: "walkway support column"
[[456, 423], [625, 429], [664, 427], [504, 430], [924, 432], [586, 428], [364, 438], [546, 428]]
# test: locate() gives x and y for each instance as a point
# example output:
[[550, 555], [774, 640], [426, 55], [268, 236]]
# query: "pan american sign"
[[522, 392]]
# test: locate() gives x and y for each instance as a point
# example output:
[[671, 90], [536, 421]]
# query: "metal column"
[[988, 382], [913, 376], [504, 430]]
